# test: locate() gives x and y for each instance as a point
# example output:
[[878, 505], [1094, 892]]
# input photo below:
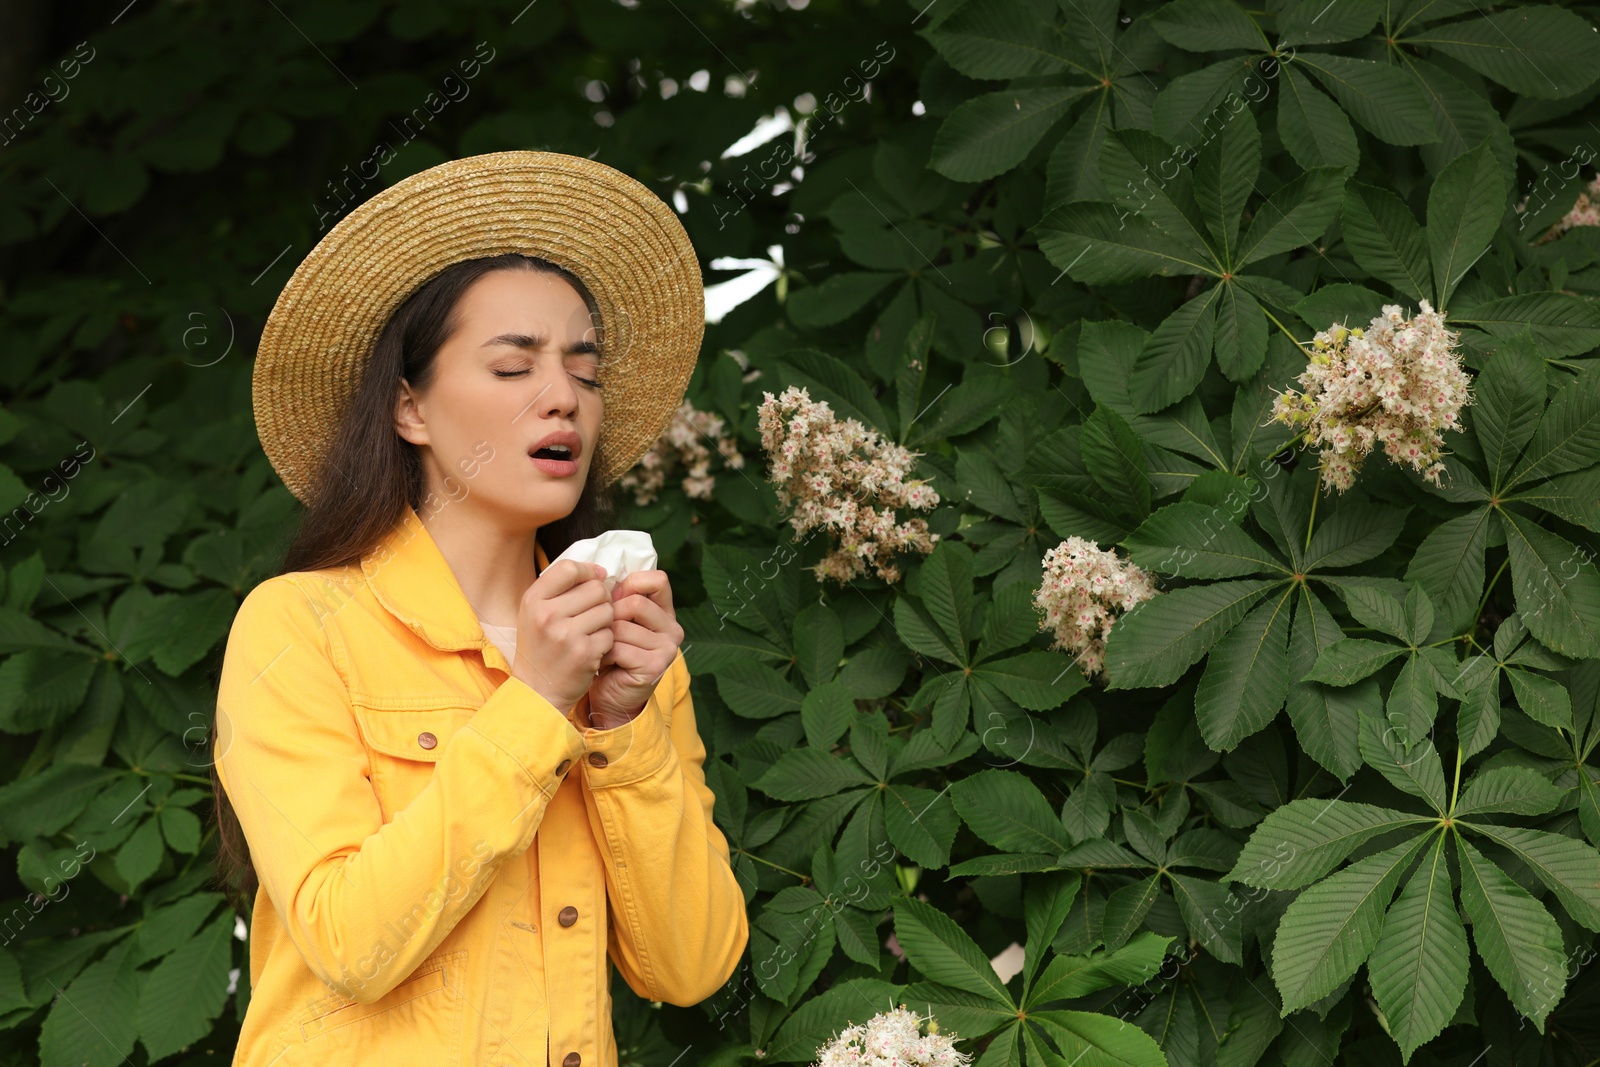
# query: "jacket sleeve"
[[364, 901], [679, 925]]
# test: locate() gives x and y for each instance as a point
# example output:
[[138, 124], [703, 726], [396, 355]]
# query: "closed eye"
[[590, 382]]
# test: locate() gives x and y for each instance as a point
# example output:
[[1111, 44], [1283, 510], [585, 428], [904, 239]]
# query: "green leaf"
[[1415, 770], [40, 688], [1418, 616], [1002, 39], [1322, 22], [920, 823], [1509, 397], [837, 297], [1103, 244], [44, 803], [915, 626], [1464, 209], [946, 589], [1331, 928], [1541, 51], [1542, 699], [1305, 839], [1295, 215], [1561, 324], [1449, 565], [1007, 810], [1038, 681], [1379, 96], [1312, 127], [1516, 937], [1126, 909], [1340, 303], [820, 643], [1070, 977], [1478, 721], [1010, 621], [1241, 334], [181, 828], [1557, 588], [1510, 791], [1158, 640], [817, 1020], [1574, 496], [1351, 659], [826, 713], [1176, 355], [1354, 535], [1091, 1039], [1191, 540], [1045, 903], [1375, 608], [938, 948], [1133, 169], [1207, 25], [1570, 868], [92, 1022], [1224, 176], [1568, 436], [1114, 457], [1211, 916], [1419, 967], [990, 134], [1246, 677], [141, 854], [185, 993], [1383, 237], [808, 773], [1324, 717], [756, 691], [1413, 702]]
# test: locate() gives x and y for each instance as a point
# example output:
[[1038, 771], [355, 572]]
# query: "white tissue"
[[620, 552]]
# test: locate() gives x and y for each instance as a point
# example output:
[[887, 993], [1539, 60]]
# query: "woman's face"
[[515, 370]]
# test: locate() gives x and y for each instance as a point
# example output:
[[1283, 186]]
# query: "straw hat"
[[618, 237]]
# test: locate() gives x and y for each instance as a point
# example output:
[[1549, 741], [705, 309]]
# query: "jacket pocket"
[[403, 746], [418, 1021]]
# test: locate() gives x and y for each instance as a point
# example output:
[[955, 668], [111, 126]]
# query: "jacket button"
[[566, 917], [597, 759], [427, 740], [571, 1059], [561, 768]]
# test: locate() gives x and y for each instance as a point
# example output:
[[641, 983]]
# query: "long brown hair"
[[372, 474]]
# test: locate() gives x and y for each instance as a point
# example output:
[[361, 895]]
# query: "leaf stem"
[[1455, 786], [803, 877], [1286, 331], [1311, 519]]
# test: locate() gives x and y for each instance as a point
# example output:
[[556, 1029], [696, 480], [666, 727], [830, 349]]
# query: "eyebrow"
[[523, 340]]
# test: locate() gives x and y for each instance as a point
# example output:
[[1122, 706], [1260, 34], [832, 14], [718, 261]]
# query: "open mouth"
[[553, 452]]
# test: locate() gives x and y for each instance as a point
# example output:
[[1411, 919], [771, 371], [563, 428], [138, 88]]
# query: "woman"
[[467, 777]]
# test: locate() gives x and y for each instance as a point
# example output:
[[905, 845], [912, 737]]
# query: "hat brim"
[[624, 243]]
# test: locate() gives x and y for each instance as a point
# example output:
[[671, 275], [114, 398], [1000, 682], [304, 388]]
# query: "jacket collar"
[[411, 578]]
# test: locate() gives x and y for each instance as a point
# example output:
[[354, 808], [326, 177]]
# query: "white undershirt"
[[502, 637]]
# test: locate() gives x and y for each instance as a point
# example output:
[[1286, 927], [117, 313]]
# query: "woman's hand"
[[564, 624], [646, 636]]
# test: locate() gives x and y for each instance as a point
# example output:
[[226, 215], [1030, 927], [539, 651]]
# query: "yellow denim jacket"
[[447, 860]]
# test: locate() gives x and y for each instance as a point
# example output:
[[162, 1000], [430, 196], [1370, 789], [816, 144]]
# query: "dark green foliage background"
[[1069, 276]]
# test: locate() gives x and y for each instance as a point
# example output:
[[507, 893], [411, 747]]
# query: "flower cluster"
[[841, 476], [1085, 587], [892, 1039], [1399, 383], [681, 448], [1585, 212]]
